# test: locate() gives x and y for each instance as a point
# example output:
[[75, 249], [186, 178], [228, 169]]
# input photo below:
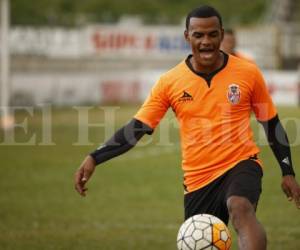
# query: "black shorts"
[[242, 180]]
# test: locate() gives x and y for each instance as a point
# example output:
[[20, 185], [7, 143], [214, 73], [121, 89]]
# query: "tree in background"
[[74, 12]]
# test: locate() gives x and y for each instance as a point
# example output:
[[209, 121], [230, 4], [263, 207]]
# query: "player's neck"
[[208, 69]]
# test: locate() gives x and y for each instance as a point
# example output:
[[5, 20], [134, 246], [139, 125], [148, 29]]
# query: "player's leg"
[[242, 196], [251, 234], [208, 200]]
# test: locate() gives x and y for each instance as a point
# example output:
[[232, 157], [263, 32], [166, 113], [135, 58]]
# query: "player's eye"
[[214, 34], [197, 35]]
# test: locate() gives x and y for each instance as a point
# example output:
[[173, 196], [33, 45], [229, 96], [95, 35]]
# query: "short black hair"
[[203, 11]]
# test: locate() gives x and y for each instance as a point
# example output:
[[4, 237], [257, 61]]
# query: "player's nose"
[[206, 41]]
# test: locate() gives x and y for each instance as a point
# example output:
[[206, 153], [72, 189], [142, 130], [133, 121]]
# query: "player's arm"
[[265, 111], [122, 141], [279, 144], [144, 122]]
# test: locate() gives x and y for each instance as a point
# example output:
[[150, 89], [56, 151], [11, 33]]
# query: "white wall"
[[127, 86]]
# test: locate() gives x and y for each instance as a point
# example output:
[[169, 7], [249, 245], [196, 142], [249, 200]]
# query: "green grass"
[[134, 202]]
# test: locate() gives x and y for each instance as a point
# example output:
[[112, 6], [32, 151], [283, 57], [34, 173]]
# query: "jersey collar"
[[207, 77]]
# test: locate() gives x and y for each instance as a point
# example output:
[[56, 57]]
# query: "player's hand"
[[291, 188], [83, 174]]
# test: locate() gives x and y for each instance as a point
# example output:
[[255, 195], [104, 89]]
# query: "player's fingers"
[[83, 193], [87, 172], [79, 185], [85, 178], [83, 188], [77, 176], [83, 175], [288, 193], [86, 175], [79, 188]]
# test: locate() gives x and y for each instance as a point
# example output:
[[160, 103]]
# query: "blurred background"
[[73, 71], [98, 51]]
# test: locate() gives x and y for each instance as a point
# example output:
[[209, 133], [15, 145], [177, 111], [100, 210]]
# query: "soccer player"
[[228, 45], [212, 94]]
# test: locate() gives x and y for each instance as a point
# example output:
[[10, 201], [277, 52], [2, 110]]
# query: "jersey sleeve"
[[154, 107], [262, 103]]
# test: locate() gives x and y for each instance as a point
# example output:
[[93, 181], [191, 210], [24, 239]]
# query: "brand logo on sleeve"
[[286, 161], [185, 97], [234, 93]]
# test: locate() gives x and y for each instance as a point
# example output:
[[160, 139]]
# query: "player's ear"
[[222, 34], [186, 36]]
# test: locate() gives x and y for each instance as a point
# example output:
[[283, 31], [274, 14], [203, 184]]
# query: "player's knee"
[[240, 210]]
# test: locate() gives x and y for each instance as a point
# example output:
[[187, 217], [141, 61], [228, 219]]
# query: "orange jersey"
[[214, 115]]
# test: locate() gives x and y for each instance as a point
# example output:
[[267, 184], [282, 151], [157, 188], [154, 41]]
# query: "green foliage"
[[72, 12]]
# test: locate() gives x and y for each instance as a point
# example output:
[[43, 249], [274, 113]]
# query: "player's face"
[[205, 36]]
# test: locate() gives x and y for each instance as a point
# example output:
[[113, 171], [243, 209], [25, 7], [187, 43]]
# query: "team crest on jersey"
[[234, 93]]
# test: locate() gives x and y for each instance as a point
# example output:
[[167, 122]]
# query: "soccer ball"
[[203, 232]]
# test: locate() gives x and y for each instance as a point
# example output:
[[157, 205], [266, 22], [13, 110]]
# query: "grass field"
[[134, 201]]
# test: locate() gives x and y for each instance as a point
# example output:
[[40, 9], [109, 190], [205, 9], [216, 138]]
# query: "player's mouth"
[[207, 54]]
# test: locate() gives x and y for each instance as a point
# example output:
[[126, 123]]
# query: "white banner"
[[100, 40], [133, 41]]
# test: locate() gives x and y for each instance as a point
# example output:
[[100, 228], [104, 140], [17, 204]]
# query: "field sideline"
[[134, 201]]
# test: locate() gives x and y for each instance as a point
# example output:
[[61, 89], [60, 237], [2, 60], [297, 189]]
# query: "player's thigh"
[[208, 200], [245, 180]]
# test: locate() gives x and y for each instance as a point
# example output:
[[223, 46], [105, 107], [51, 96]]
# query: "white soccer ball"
[[203, 232]]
